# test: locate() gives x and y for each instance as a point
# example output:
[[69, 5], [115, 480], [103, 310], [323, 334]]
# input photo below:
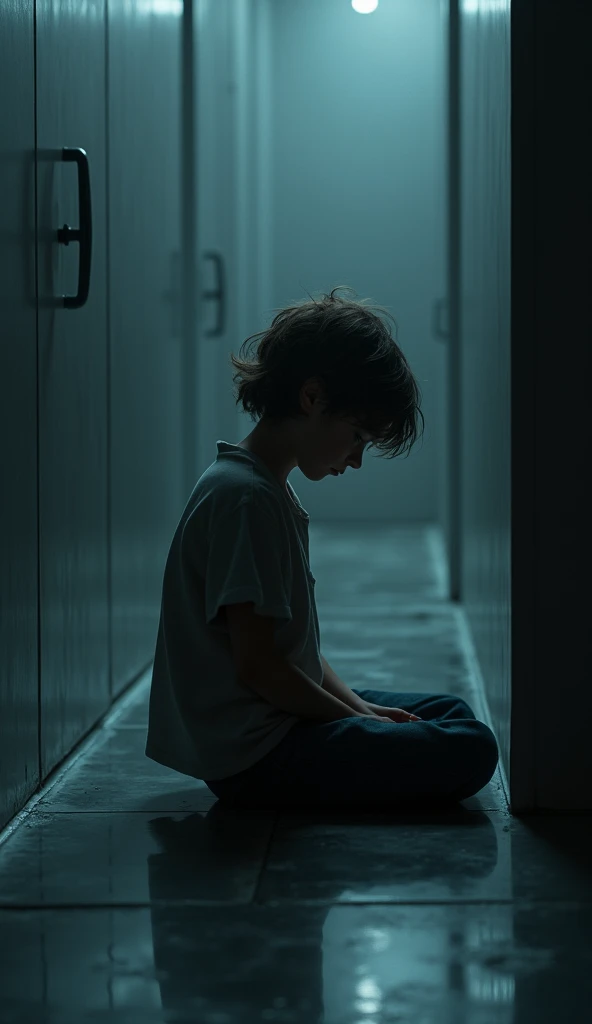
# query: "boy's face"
[[329, 444]]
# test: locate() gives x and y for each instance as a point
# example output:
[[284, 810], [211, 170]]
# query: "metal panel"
[[19, 715], [216, 86], [485, 348], [146, 319], [72, 380], [450, 496], [251, 56]]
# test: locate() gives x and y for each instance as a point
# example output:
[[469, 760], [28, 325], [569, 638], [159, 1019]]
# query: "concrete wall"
[[357, 176], [485, 347]]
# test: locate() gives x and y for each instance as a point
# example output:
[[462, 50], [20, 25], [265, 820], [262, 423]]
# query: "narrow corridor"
[[128, 894]]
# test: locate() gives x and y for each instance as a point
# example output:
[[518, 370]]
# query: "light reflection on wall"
[[166, 7], [485, 6]]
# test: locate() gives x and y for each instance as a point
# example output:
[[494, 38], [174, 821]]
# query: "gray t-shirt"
[[242, 537]]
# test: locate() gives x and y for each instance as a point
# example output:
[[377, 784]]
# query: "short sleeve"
[[247, 560]]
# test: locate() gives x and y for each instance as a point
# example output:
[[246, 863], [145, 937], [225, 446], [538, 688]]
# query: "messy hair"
[[345, 345]]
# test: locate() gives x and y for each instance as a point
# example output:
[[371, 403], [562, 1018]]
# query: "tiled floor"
[[128, 894]]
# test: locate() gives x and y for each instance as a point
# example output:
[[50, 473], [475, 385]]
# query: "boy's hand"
[[395, 714]]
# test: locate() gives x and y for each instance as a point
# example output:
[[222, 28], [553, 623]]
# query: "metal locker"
[[72, 323]]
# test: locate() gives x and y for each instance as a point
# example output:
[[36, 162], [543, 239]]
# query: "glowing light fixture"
[[364, 6]]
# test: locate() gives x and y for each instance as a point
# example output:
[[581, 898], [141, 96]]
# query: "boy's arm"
[[333, 684], [262, 669]]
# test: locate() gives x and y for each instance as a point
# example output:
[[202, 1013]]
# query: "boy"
[[241, 696]]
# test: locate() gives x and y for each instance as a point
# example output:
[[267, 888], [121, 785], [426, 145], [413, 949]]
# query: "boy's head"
[[328, 378]]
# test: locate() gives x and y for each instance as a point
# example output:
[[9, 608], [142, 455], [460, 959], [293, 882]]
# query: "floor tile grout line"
[[525, 903], [198, 810]]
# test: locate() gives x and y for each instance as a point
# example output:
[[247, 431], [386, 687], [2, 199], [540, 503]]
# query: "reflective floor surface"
[[129, 894]]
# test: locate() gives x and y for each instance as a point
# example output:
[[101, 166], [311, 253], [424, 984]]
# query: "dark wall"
[[525, 370], [551, 422]]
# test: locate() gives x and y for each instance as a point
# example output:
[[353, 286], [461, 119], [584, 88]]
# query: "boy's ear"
[[311, 392]]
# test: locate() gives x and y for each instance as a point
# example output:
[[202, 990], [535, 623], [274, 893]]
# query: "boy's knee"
[[461, 705], [469, 758], [485, 754], [480, 740]]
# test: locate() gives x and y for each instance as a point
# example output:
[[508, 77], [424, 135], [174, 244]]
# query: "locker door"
[[72, 375], [19, 715], [147, 493], [216, 215]]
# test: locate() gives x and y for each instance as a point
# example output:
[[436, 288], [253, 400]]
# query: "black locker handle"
[[83, 234], [218, 293]]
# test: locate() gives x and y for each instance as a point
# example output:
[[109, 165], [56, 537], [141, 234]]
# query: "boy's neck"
[[270, 444]]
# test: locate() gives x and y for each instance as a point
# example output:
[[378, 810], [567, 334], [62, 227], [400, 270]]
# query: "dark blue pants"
[[447, 757]]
